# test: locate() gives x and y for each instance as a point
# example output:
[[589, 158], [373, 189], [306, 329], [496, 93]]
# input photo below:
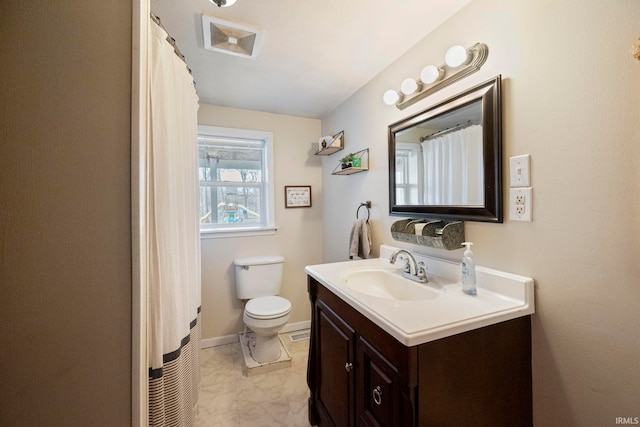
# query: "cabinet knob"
[[348, 366], [377, 395]]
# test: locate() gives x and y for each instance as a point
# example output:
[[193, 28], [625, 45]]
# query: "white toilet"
[[258, 280]]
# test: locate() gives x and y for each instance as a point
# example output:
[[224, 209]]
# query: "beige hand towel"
[[360, 239]]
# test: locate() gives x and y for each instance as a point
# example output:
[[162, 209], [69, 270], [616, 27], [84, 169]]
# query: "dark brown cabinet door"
[[377, 386], [335, 388]]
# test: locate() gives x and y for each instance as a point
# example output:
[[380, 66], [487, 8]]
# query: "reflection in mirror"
[[445, 162], [427, 152]]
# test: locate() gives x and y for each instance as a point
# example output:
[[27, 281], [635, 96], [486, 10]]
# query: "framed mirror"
[[446, 162]]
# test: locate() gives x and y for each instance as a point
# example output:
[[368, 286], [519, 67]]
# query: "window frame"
[[408, 151], [267, 226]]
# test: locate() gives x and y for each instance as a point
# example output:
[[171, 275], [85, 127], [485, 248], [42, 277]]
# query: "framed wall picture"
[[297, 196]]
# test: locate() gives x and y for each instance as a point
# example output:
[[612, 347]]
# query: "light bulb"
[[456, 56], [391, 97], [431, 73], [222, 3], [409, 86]]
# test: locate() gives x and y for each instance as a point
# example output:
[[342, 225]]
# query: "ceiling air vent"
[[230, 38]]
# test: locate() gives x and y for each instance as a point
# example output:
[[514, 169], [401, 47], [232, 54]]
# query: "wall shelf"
[[359, 164], [337, 144], [347, 171]]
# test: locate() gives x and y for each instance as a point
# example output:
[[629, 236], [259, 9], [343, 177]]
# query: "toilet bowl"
[[258, 281], [266, 316]]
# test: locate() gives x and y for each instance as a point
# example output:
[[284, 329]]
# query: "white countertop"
[[501, 296]]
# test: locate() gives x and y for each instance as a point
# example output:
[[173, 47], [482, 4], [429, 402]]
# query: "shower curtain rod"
[[172, 42], [448, 130]]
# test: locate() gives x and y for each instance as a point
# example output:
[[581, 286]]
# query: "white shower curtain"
[[453, 168], [172, 237]]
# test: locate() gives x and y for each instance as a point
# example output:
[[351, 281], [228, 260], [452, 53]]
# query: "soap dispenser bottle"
[[468, 271]]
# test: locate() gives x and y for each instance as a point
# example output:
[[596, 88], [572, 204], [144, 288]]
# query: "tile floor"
[[228, 398]]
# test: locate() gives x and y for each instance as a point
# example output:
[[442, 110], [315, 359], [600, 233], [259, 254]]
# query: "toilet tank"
[[258, 276]]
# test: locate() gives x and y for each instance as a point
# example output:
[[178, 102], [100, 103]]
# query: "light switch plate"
[[519, 171], [520, 204]]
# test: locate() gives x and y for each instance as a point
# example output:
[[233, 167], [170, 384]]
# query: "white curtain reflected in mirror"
[[453, 169], [446, 169]]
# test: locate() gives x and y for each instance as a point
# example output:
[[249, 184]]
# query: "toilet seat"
[[270, 307]]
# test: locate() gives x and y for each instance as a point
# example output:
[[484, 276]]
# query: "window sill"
[[238, 232]]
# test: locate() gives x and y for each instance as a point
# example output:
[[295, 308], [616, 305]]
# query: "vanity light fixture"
[[459, 63], [223, 3], [391, 97], [431, 74], [410, 86], [456, 56]]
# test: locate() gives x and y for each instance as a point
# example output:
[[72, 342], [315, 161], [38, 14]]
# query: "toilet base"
[[251, 367]]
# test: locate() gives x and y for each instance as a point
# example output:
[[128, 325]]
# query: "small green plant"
[[348, 158]]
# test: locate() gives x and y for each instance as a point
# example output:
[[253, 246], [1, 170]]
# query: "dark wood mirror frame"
[[489, 94]]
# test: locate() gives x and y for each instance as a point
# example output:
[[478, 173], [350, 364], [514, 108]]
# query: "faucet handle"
[[422, 270]]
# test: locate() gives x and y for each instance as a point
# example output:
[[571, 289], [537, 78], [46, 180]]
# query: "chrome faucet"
[[412, 270]]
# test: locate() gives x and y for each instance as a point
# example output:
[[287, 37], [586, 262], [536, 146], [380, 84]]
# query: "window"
[[408, 164], [235, 169]]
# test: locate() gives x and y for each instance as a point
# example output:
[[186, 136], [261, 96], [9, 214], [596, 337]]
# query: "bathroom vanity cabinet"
[[359, 375]]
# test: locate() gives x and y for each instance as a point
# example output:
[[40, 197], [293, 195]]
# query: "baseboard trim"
[[291, 327], [216, 341], [230, 339]]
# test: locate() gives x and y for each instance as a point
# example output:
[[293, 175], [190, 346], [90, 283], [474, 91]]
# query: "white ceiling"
[[314, 54]]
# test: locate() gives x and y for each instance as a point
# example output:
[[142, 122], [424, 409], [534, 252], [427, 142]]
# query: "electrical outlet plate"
[[520, 204], [519, 167]]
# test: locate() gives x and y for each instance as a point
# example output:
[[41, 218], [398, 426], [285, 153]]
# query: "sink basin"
[[387, 284]]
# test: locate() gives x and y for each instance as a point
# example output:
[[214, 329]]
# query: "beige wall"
[[570, 98], [65, 238], [299, 235]]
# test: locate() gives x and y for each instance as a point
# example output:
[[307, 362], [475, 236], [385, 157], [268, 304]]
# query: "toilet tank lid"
[[259, 260]]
